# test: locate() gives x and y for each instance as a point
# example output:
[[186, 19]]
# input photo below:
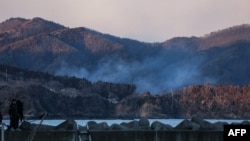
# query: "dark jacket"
[[13, 110], [1, 118]]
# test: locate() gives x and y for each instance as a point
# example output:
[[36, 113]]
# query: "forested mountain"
[[91, 63], [220, 57]]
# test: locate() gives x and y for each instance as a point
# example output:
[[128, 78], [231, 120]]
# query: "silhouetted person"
[[1, 117], [20, 109], [14, 115]]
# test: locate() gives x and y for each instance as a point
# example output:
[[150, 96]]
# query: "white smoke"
[[155, 74]]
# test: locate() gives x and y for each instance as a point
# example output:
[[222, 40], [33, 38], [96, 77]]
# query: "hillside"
[[221, 38], [71, 97], [225, 37], [60, 96]]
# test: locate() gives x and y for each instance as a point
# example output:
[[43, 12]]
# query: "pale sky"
[[143, 20]]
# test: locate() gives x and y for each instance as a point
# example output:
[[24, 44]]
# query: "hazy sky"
[[144, 20]]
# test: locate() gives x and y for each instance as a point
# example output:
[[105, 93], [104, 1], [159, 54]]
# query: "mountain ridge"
[[220, 38], [45, 46]]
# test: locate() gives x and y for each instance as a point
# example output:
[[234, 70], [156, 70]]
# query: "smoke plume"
[[159, 73]]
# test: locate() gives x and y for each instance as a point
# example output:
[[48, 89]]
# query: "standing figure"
[[20, 110], [1, 117], [14, 115]]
